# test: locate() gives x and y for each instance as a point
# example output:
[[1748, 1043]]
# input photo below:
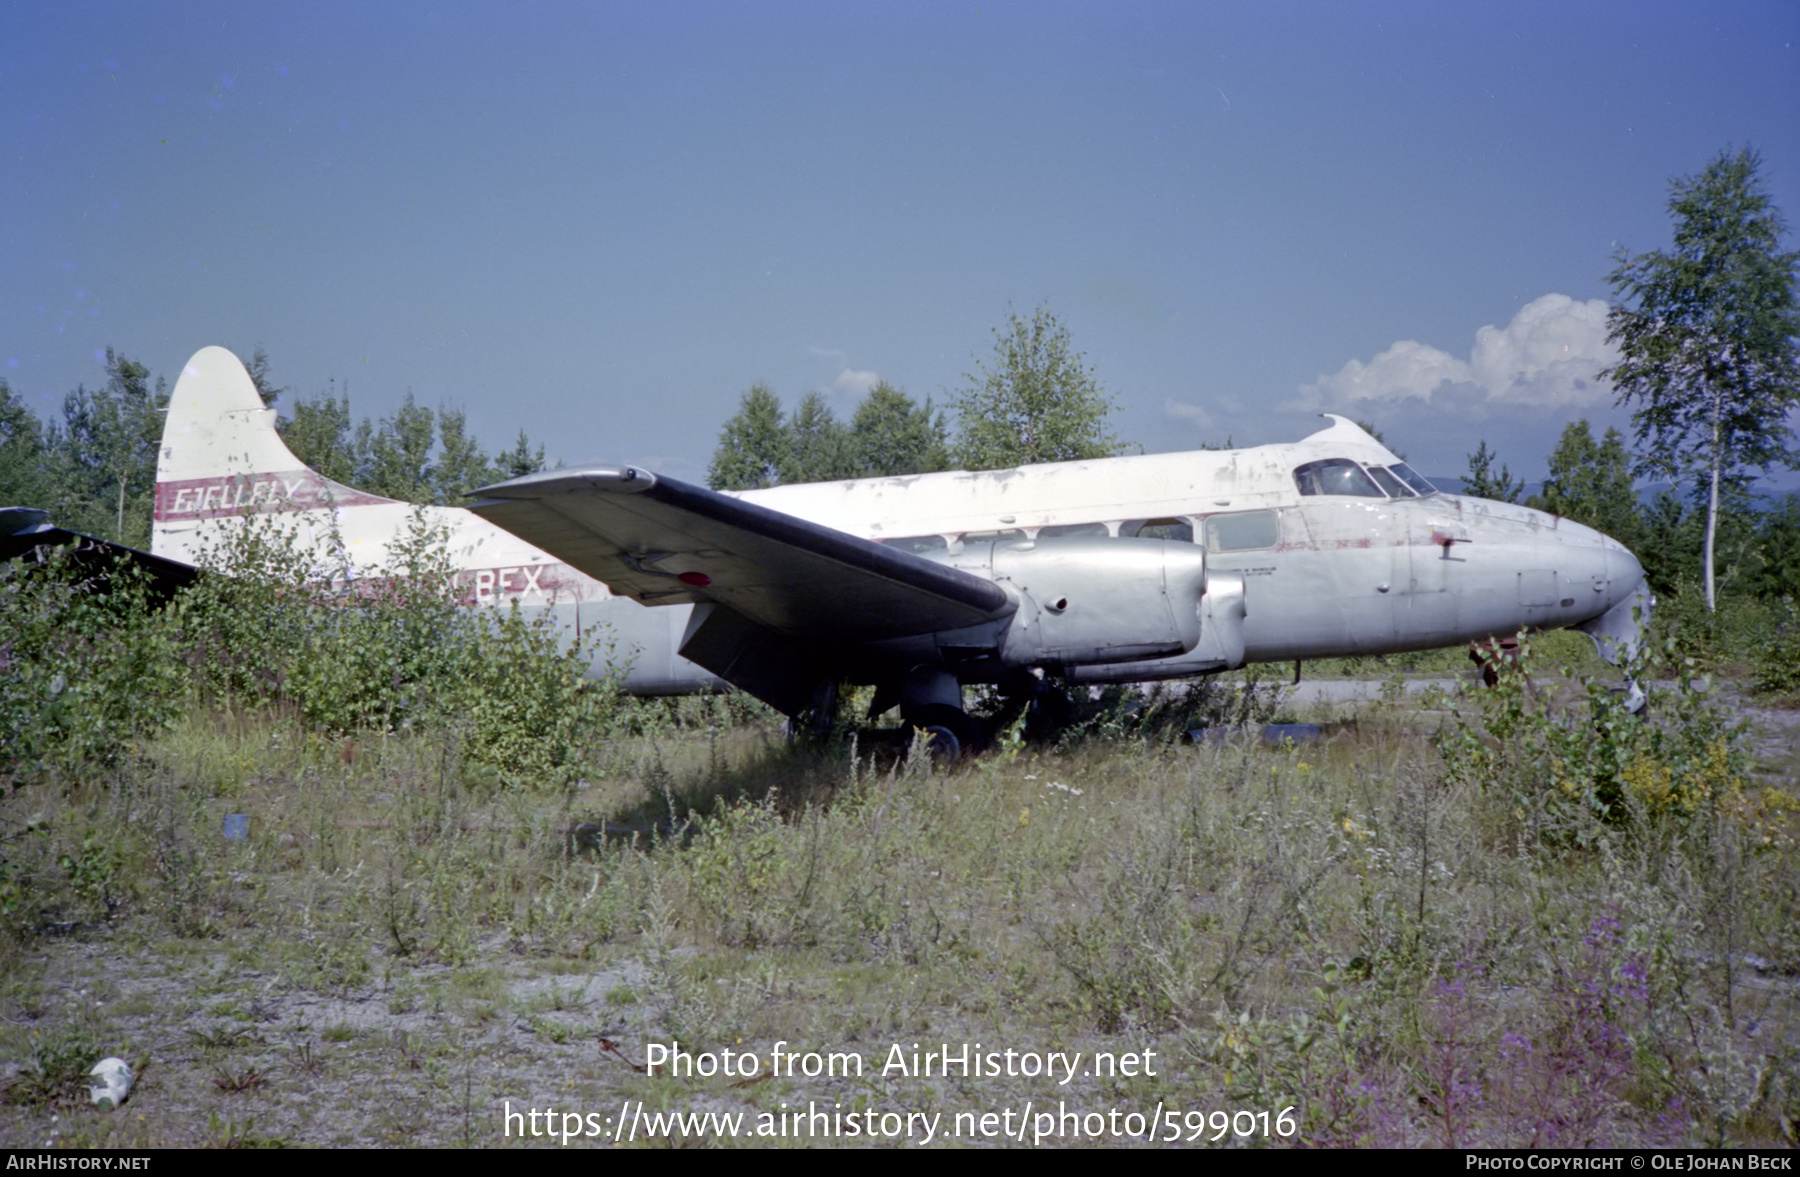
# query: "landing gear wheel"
[[949, 730]]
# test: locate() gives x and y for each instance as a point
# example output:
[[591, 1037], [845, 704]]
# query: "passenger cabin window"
[[1003, 536], [1177, 529], [1057, 529], [1336, 476], [918, 543], [1242, 531]]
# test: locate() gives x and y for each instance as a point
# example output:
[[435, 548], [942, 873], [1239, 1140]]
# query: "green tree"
[[399, 453], [1483, 483], [1035, 401], [818, 447], [321, 435], [23, 479], [1590, 482], [1707, 339], [519, 460], [1775, 570], [1672, 539], [890, 435], [262, 375], [415, 455], [752, 446], [104, 453], [462, 465]]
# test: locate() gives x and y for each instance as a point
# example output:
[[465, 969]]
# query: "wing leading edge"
[[785, 592]]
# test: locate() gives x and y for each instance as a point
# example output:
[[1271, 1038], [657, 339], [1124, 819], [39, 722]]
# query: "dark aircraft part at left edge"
[[25, 531]]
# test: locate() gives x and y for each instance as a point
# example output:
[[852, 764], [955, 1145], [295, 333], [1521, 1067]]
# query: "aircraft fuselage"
[[1324, 547]]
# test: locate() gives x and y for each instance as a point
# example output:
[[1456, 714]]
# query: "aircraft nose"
[[1593, 558], [1623, 570], [1615, 571], [1617, 625]]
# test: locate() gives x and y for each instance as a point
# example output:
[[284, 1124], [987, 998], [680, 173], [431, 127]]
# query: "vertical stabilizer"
[[221, 460]]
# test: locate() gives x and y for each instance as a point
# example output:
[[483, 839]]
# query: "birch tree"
[[1707, 339]]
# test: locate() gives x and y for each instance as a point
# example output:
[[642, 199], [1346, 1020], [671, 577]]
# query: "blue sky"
[[602, 222]]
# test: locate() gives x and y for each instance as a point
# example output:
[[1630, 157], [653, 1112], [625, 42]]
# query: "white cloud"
[[855, 381], [1547, 356], [1192, 414], [1406, 369]]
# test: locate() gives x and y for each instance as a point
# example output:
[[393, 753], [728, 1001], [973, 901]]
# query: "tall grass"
[[1346, 928], [1524, 920]]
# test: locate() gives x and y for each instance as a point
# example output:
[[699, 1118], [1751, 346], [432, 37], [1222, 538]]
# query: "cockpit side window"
[[1391, 483], [1336, 476], [1411, 477]]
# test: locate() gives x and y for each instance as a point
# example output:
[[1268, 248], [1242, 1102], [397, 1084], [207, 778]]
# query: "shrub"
[[1776, 659], [351, 653], [1592, 758], [87, 665], [518, 697]]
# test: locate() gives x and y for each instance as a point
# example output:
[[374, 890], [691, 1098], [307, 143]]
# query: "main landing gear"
[[948, 730], [931, 702]]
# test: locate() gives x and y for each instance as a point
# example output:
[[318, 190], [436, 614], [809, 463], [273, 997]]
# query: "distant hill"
[[1453, 485], [1768, 495]]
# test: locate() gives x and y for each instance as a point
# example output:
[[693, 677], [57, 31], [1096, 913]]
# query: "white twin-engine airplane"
[[1115, 570]]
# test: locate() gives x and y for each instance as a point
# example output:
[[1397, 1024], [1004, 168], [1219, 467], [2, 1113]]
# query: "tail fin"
[[222, 459]]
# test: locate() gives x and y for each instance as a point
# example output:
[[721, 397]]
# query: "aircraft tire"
[[952, 733], [944, 746]]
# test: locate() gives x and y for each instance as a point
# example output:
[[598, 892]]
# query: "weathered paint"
[[1346, 575]]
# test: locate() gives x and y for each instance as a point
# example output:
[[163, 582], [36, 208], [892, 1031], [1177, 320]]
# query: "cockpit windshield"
[[1336, 476], [1341, 476]]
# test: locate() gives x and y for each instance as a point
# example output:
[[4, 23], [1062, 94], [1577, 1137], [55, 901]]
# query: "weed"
[[410, 1049], [552, 1030], [1776, 658], [237, 1080], [58, 1073], [223, 1132], [222, 1038], [307, 1059]]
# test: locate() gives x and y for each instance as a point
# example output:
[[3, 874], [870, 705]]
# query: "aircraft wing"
[[660, 541], [28, 530]]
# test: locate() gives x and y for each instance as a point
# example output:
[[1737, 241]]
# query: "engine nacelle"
[[1089, 599], [1221, 647]]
